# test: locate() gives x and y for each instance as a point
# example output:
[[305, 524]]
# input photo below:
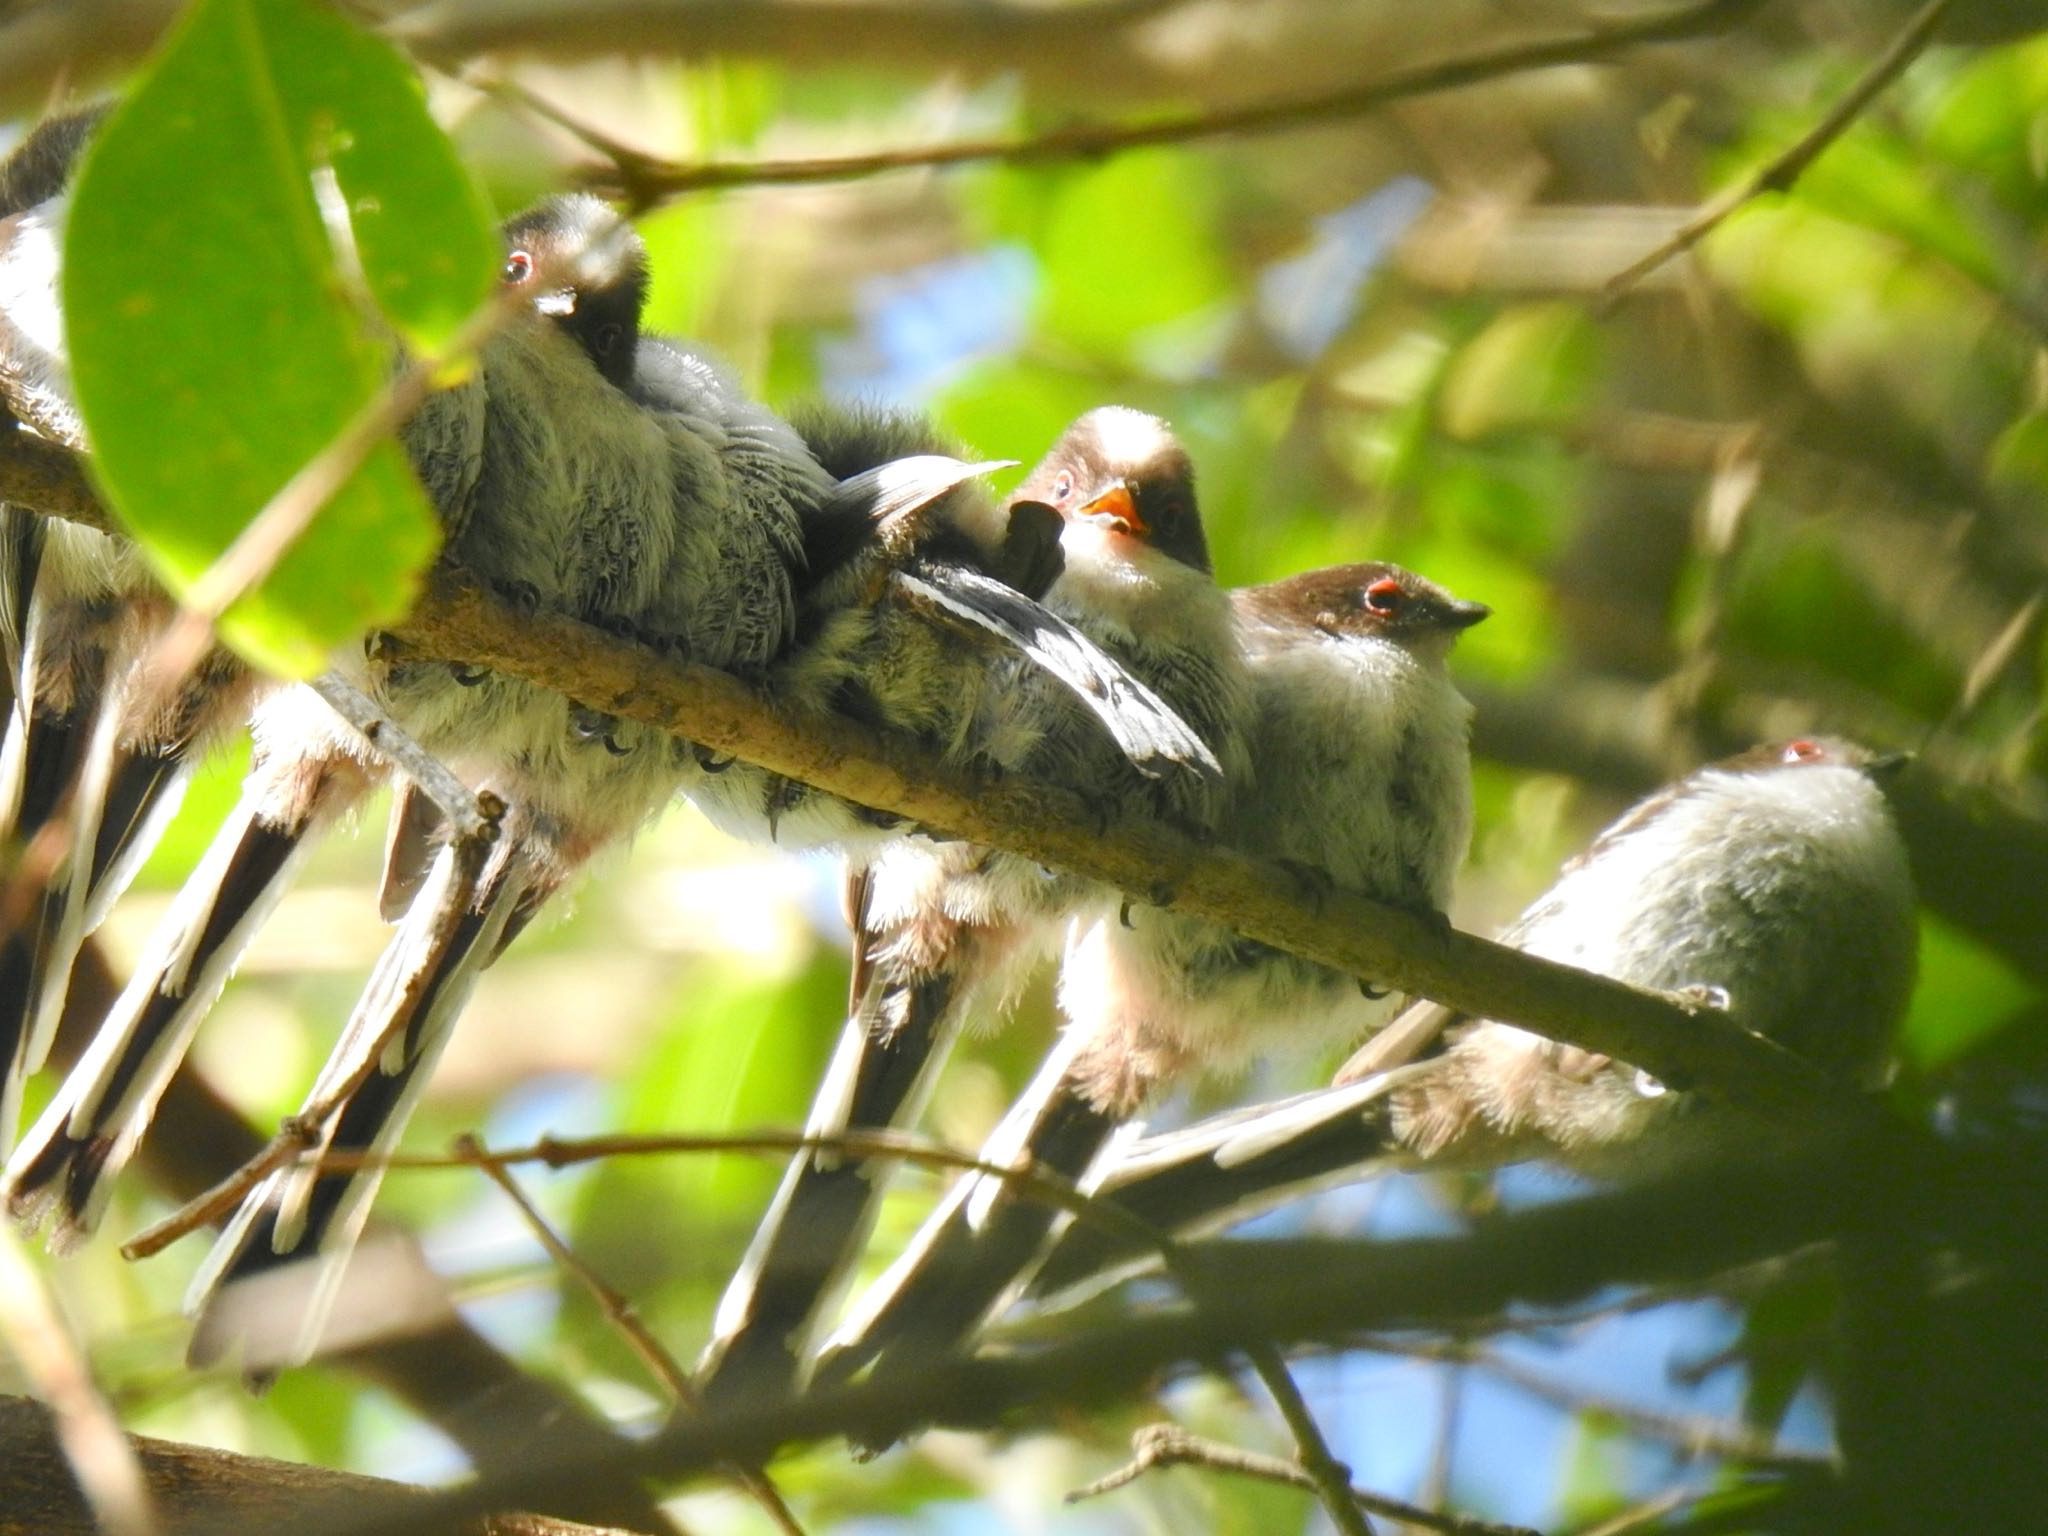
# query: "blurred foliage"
[[1797, 482]]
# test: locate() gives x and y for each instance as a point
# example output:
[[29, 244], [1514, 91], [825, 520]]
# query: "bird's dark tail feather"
[[267, 1289], [89, 1131], [980, 1242], [1220, 1171], [805, 1247]]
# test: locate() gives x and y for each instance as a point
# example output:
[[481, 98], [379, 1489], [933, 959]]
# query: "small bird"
[[623, 487], [1774, 883], [1358, 774], [490, 459], [684, 508], [944, 932]]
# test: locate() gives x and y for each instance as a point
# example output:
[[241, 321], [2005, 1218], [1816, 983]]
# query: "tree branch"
[[1326, 1292], [1682, 1043], [197, 1487], [1786, 167], [1168, 1445], [645, 181]]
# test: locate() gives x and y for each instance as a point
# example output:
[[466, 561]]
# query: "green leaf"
[[1967, 994], [1533, 366], [1876, 325], [1129, 247], [214, 351], [423, 228], [1993, 122]]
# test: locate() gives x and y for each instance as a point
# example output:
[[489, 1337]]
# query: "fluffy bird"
[[944, 932], [1775, 883], [1358, 773], [507, 458]]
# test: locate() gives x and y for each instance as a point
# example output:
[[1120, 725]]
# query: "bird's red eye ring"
[[1383, 597], [1804, 751], [1063, 487], [518, 267]]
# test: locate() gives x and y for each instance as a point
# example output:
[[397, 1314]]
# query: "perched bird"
[[491, 459], [622, 487], [1358, 773], [1775, 883], [78, 608], [910, 598], [684, 508], [944, 932]]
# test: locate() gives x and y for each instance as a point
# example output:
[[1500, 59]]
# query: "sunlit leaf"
[[421, 226], [1968, 993], [1535, 364], [213, 352]]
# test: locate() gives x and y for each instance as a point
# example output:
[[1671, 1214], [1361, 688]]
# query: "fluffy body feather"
[[1775, 881]]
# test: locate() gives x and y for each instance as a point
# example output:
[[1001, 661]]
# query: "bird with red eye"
[[596, 271], [1774, 884], [1358, 774]]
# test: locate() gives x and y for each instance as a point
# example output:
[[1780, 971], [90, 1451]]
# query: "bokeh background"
[[1795, 481]]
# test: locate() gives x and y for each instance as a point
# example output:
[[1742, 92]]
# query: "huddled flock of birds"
[[849, 561]]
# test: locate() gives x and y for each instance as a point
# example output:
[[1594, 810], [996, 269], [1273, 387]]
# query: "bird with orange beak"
[[946, 932]]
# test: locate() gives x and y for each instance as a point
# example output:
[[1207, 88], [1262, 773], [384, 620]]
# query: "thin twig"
[[1638, 1516], [1693, 1437], [626, 1321], [1786, 167], [1168, 1445], [1322, 1473], [108, 1470], [645, 182], [566, 1152]]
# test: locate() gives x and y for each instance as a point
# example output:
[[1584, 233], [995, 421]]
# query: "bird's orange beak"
[[1117, 510]]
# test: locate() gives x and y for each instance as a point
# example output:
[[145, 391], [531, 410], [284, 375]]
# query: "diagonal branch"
[[1786, 167], [645, 182], [200, 1487], [1680, 1042], [1298, 1292]]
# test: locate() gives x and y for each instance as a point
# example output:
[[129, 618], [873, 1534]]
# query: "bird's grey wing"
[[1145, 727]]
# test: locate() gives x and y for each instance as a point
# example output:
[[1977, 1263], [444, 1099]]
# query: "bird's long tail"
[[801, 1255], [67, 1162], [982, 1240], [1223, 1170], [126, 796], [41, 756], [268, 1288]]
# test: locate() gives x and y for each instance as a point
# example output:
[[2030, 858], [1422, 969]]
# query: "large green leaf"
[[214, 348], [423, 229]]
